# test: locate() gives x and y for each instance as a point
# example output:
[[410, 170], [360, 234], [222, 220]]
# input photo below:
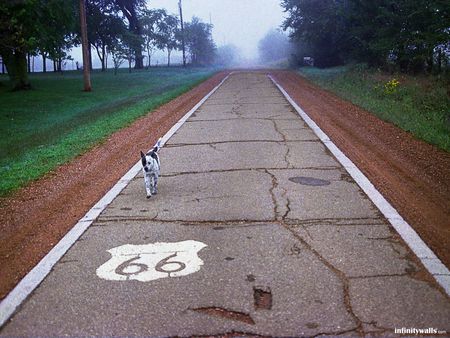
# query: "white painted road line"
[[428, 258], [32, 280]]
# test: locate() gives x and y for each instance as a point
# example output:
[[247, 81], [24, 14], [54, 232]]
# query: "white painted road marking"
[[149, 262]]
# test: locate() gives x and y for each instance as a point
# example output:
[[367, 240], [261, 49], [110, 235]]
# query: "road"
[[256, 230]]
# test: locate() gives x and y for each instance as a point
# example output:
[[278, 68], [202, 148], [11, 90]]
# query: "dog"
[[151, 168]]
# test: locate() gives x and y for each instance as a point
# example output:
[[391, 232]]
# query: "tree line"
[[118, 30], [405, 35]]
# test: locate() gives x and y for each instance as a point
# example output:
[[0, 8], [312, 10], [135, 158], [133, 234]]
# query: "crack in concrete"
[[241, 223], [230, 334], [236, 170], [335, 333], [381, 276], [363, 221], [178, 145], [269, 118], [286, 155], [272, 193]]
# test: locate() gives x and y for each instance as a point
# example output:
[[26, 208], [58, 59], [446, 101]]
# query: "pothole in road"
[[227, 314], [316, 182], [263, 298]]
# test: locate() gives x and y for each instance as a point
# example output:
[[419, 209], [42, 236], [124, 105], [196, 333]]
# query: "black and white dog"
[[151, 167]]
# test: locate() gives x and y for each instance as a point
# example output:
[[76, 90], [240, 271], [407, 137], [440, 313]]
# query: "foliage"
[[274, 46], [199, 42], [104, 27], [168, 34], [45, 127], [151, 21], [227, 55], [410, 36], [28, 25], [419, 105]]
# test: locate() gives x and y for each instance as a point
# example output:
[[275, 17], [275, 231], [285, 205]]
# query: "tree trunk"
[[32, 64], [55, 68], [103, 58], [16, 65], [168, 57], [28, 62], [90, 57], [44, 63], [85, 46]]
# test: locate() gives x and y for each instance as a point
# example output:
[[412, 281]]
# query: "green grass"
[[56, 121], [419, 105]]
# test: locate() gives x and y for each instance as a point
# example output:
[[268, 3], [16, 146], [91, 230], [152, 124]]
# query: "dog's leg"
[[147, 180], [155, 184]]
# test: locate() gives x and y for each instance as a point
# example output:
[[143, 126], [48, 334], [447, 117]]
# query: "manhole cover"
[[309, 181]]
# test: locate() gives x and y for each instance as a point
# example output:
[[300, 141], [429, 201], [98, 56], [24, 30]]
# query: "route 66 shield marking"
[[149, 262]]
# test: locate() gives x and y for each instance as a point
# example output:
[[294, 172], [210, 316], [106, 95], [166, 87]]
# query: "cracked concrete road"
[[292, 245]]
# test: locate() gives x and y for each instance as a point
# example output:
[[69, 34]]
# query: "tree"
[[228, 55], [319, 23], [274, 46], [25, 26], [168, 35], [411, 35], [104, 25], [199, 42], [151, 21], [131, 10]]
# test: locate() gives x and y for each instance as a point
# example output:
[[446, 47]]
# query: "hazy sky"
[[240, 22]]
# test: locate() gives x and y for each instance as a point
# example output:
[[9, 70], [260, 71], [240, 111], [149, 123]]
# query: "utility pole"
[[182, 33], [85, 46]]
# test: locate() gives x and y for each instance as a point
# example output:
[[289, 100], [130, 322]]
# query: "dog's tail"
[[157, 145]]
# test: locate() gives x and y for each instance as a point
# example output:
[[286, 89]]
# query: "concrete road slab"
[[223, 156], [256, 229], [336, 197], [356, 250], [425, 307], [305, 296], [216, 196], [250, 111], [226, 131]]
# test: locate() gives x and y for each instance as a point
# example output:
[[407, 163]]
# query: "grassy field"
[[55, 121], [418, 105]]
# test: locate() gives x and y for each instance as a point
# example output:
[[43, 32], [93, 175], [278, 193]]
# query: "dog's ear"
[[143, 159]]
